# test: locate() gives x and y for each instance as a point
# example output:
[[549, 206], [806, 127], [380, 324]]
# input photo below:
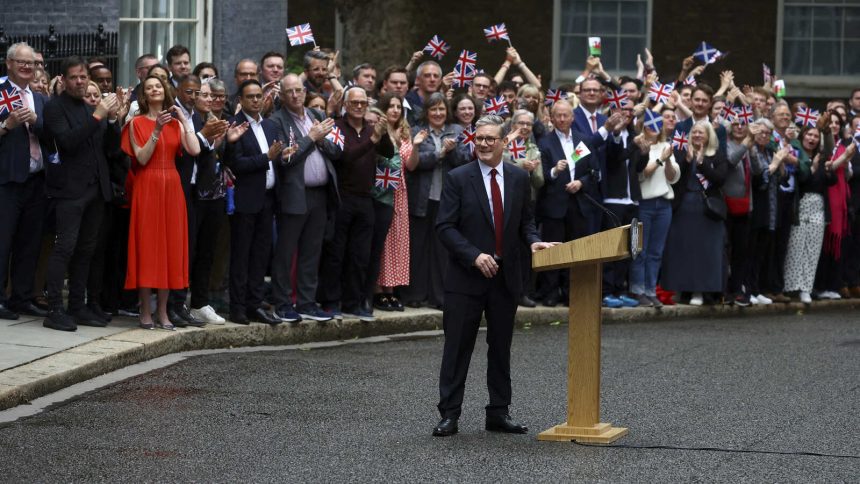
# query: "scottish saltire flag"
[[467, 137], [518, 149], [554, 95], [707, 53], [300, 34], [653, 121], [10, 100], [336, 137], [496, 32], [806, 116], [744, 114], [387, 179], [437, 47], [496, 105], [660, 93], [679, 140], [615, 99]]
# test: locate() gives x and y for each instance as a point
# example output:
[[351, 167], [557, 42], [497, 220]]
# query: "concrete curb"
[[46, 375]]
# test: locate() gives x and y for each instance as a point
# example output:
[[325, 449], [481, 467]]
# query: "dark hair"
[[817, 149], [247, 83], [506, 86], [313, 54], [385, 102], [204, 65], [271, 53], [392, 69], [157, 66], [96, 59], [73, 61], [361, 67], [310, 96], [143, 58], [625, 79], [176, 51], [708, 90], [168, 94], [434, 99], [97, 67], [455, 101], [190, 78]]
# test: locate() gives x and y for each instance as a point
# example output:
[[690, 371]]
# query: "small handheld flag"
[[387, 179], [707, 53], [615, 99], [594, 46], [496, 105], [679, 140], [10, 100], [497, 32], [728, 113], [554, 95], [766, 73], [437, 47], [336, 137], [467, 137], [806, 116], [579, 152], [690, 81], [653, 121], [301, 34], [744, 114], [660, 93], [779, 88], [465, 69], [517, 149]]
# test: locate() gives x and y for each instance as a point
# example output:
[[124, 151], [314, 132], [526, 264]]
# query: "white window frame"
[[202, 34], [837, 86], [561, 76]]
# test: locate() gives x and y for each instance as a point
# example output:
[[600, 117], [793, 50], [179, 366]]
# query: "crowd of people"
[[314, 195]]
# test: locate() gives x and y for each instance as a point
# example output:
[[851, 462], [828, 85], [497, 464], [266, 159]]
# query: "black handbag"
[[715, 205]]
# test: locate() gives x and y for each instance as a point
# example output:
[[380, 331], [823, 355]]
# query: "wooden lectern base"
[[602, 433]]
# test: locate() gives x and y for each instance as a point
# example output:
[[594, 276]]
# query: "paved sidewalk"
[[35, 361]]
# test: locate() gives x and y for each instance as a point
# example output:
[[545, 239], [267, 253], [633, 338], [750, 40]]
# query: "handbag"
[[715, 205]]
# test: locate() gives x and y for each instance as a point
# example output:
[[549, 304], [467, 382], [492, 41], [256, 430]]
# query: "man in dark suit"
[[80, 185], [484, 219], [307, 195], [251, 159], [701, 100], [22, 186]]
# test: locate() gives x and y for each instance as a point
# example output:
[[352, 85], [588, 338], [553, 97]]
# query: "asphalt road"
[[761, 394]]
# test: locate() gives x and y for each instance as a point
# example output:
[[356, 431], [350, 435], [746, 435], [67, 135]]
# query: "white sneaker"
[[696, 300], [762, 299], [207, 315], [805, 298], [829, 295], [754, 300]]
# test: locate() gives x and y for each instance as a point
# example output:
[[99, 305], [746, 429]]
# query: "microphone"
[[612, 217]]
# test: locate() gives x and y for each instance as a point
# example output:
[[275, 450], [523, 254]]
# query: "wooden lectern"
[[585, 257]]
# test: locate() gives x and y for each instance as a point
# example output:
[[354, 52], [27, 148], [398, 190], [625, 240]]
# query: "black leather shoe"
[[504, 423], [176, 318], [528, 302], [60, 321], [446, 427], [239, 318], [84, 317], [261, 316], [381, 302], [551, 301], [186, 316], [98, 311], [31, 309], [6, 313]]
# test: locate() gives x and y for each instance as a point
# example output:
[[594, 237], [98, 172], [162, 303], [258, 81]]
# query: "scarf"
[[837, 195]]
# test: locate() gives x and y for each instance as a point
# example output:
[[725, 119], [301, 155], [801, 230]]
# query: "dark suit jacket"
[[715, 168], [249, 164], [554, 199], [15, 144], [465, 227], [291, 173], [82, 142], [185, 163], [581, 124], [418, 181]]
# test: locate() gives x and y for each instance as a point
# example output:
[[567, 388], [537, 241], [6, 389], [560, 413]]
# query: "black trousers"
[[78, 223], [738, 234], [617, 273], [574, 225], [780, 241], [851, 254], [761, 257], [461, 318], [300, 238], [383, 215], [347, 257], [208, 217], [250, 248], [178, 296], [106, 280], [22, 212], [428, 260]]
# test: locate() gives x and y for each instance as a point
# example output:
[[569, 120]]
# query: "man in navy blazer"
[[701, 100], [484, 219], [22, 186], [251, 158]]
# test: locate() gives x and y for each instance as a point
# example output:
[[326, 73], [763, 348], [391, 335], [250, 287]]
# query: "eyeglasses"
[[294, 92], [191, 92], [591, 90], [24, 63], [357, 104], [219, 97], [486, 140], [523, 123]]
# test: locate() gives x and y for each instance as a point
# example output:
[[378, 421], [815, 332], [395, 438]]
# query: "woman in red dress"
[[158, 235]]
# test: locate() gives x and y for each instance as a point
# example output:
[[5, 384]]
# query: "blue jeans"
[[656, 216]]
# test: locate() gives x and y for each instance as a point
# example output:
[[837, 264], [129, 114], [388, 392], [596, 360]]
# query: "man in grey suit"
[[307, 192]]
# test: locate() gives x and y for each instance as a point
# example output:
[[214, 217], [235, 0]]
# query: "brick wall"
[[29, 16]]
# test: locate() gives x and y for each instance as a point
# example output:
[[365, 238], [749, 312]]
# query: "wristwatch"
[[659, 162]]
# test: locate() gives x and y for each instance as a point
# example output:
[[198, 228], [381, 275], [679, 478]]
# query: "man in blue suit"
[[484, 220], [22, 186], [701, 101]]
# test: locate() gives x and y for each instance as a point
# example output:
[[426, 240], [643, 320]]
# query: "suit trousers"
[[616, 273], [250, 247], [302, 234], [383, 216], [78, 223], [461, 318], [208, 217], [738, 232], [179, 296], [22, 212], [347, 256], [428, 260], [574, 225], [106, 280]]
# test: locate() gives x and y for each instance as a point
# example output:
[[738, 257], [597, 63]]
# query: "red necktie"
[[498, 211], [593, 123]]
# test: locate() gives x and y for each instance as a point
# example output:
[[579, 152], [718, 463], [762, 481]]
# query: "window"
[[820, 38], [153, 26], [624, 28]]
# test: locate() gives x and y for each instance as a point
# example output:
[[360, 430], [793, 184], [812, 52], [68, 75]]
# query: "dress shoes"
[[261, 316], [96, 309], [527, 302], [176, 318], [183, 312], [238, 318], [551, 301], [60, 321], [504, 423], [6, 313], [84, 317], [31, 309], [445, 427]]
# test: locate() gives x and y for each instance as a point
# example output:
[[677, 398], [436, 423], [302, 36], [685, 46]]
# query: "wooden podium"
[[585, 257]]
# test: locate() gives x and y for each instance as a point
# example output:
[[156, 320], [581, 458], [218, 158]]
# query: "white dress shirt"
[[257, 129], [566, 140]]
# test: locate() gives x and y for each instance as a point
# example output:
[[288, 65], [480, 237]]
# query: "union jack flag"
[[659, 93], [437, 47], [10, 99], [336, 137], [496, 105], [467, 137], [653, 121], [554, 95], [744, 114], [690, 81], [806, 116], [466, 57], [707, 53], [464, 70], [387, 179], [300, 34], [728, 112], [679, 140], [496, 32], [517, 149], [615, 99]]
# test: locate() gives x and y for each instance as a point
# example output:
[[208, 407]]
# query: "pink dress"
[[394, 268]]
